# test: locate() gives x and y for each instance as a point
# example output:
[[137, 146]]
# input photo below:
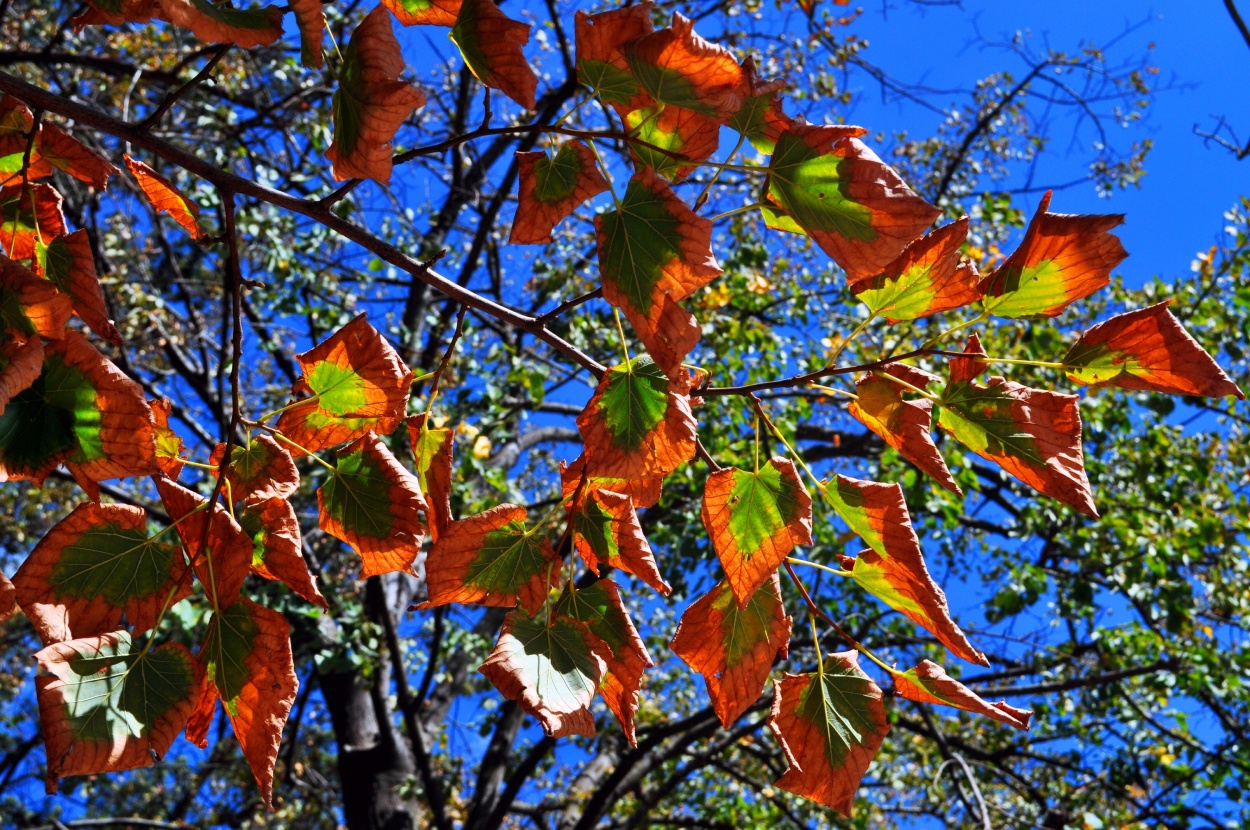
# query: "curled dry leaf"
[[259, 470], [432, 451], [165, 198], [224, 565], [69, 264], [311, 20], [678, 68], [606, 531], [490, 43], [30, 307], [929, 683], [929, 277], [551, 188], [277, 547]]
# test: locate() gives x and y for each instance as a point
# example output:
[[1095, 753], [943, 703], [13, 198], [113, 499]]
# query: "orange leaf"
[[8, 598], [906, 425], [676, 67], [276, 547], [1147, 350], [732, 647], [311, 19], [601, 61], [258, 471], [222, 23], [20, 364], [371, 102], [551, 189], [30, 217], [115, 13], [928, 277], [643, 491], [224, 566], [67, 153], [929, 683], [1063, 258], [669, 334], [29, 306], [489, 559], [424, 12], [830, 723], [69, 264], [432, 451], [670, 140], [490, 43], [168, 443], [761, 119], [965, 369], [606, 530], [165, 198]]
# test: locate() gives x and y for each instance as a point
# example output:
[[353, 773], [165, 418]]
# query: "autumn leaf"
[[638, 423], [606, 531], [106, 706], [551, 188], [678, 68], [277, 554], [906, 425], [490, 559], [222, 23], [755, 519], [370, 502], [761, 119], [68, 154], [929, 683], [643, 491], [168, 443], [424, 12], [165, 198], [115, 12], [371, 102], [30, 218], [551, 667], [224, 565], [671, 140], [8, 598], [311, 20], [1063, 258], [20, 365], [490, 43], [601, 61], [965, 369], [247, 660], [853, 205], [357, 383], [432, 451], [830, 724], [29, 306], [260, 469], [1033, 434], [95, 566], [929, 277], [1147, 350], [81, 411], [734, 647], [69, 264]]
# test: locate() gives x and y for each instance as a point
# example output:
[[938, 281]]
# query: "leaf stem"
[[291, 405], [736, 211], [606, 175], [794, 560], [846, 341], [620, 329], [933, 341]]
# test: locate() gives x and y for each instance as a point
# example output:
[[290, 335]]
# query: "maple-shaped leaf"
[[224, 565], [965, 369], [371, 102], [81, 411], [357, 384], [222, 23], [551, 188], [70, 265], [311, 19], [247, 659], [643, 491], [106, 706], [276, 546], [761, 119], [1034, 434], [8, 598], [1063, 258], [929, 683], [671, 140], [490, 559], [601, 61], [96, 565], [20, 365], [830, 724], [168, 443], [370, 502], [755, 519], [432, 451], [638, 423], [893, 568], [734, 647], [1147, 350], [678, 68], [66, 153], [906, 425], [260, 469], [30, 306], [927, 278], [600, 609], [490, 43], [852, 204], [551, 667], [424, 12], [606, 531], [166, 198], [30, 218]]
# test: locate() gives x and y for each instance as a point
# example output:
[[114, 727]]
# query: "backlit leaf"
[[259, 470], [115, 12], [606, 531], [432, 450], [965, 369], [168, 443], [551, 188], [276, 547], [70, 265], [8, 598], [676, 67], [165, 198], [671, 140], [20, 365], [927, 278], [601, 61], [929, 683], [424, 12], [222, 23], [490, 43], [311, 20], [761, 119], [643, 491], [29, 306], [68, 154], [30, 217], [224, 565]]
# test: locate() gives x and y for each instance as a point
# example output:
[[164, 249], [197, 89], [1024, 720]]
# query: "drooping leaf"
[[606, 531], [490, 43], [68, 154], [638, 423], [30, 217], [551, 668], [852, 204], [222, 23], [671, 140], [761, 119], [311, 19], [260, 469], [1033, 434], [551, 188], [1063, 258], [371, 102], [669, 334], [965, 369], [732, 647], [1147, 350], [69, 263], [424, 12], [755, 519], [20, 364], [490, 559], [893, 569], [927, 278], [432, 450], [168, 443], [357, 384], [96, 565], [906, 425], [106, 706], [370, 502], [277, 548], [678, 68], [601, 61], [29, 306], [830, 724], [81, 411], [165, 198], [643, 491], [929, 683], [247, 660], [224, 564], [8, 598]]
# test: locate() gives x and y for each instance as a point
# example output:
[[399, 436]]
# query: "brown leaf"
[[30, 217], [224, 565], [67, 153], [8, 598], [20, 364], [259, 471], [676, 67], [643, 491], [311, 19], [929, 683], [606, 531], [490, 43], [552, 188], [30, 307], [70, 264], [222, 23], [929, 277], [277, 548], [432, 451], [965, 369], [168, 443]]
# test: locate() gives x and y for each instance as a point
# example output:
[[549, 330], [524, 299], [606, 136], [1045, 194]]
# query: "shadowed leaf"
[[68, 154], [20, 365], [490, 43], [70, 265], [601, 61], [311, 20], [30, 307], [30, 218], [224, 566], [259, 470], [222, 23]]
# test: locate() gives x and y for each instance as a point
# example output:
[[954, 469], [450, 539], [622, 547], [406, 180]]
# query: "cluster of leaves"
[[102, 576]]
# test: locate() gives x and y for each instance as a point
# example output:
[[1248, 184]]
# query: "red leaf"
[[490, 43], [676, 67], [29, 306], [30, 217], [643, 491], [20, 364], [224, 566], [124, 11], [601, 61], [929, 683], [168, 443], [311, 19], [965, 369], [8, 598], [929, 276], [277, 547], [261, 470], [223, 23], [670, 140], [67, 153], [69, 263], [606, 530], [165, 198], [551, 189], [432, 451], [424, 12]]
